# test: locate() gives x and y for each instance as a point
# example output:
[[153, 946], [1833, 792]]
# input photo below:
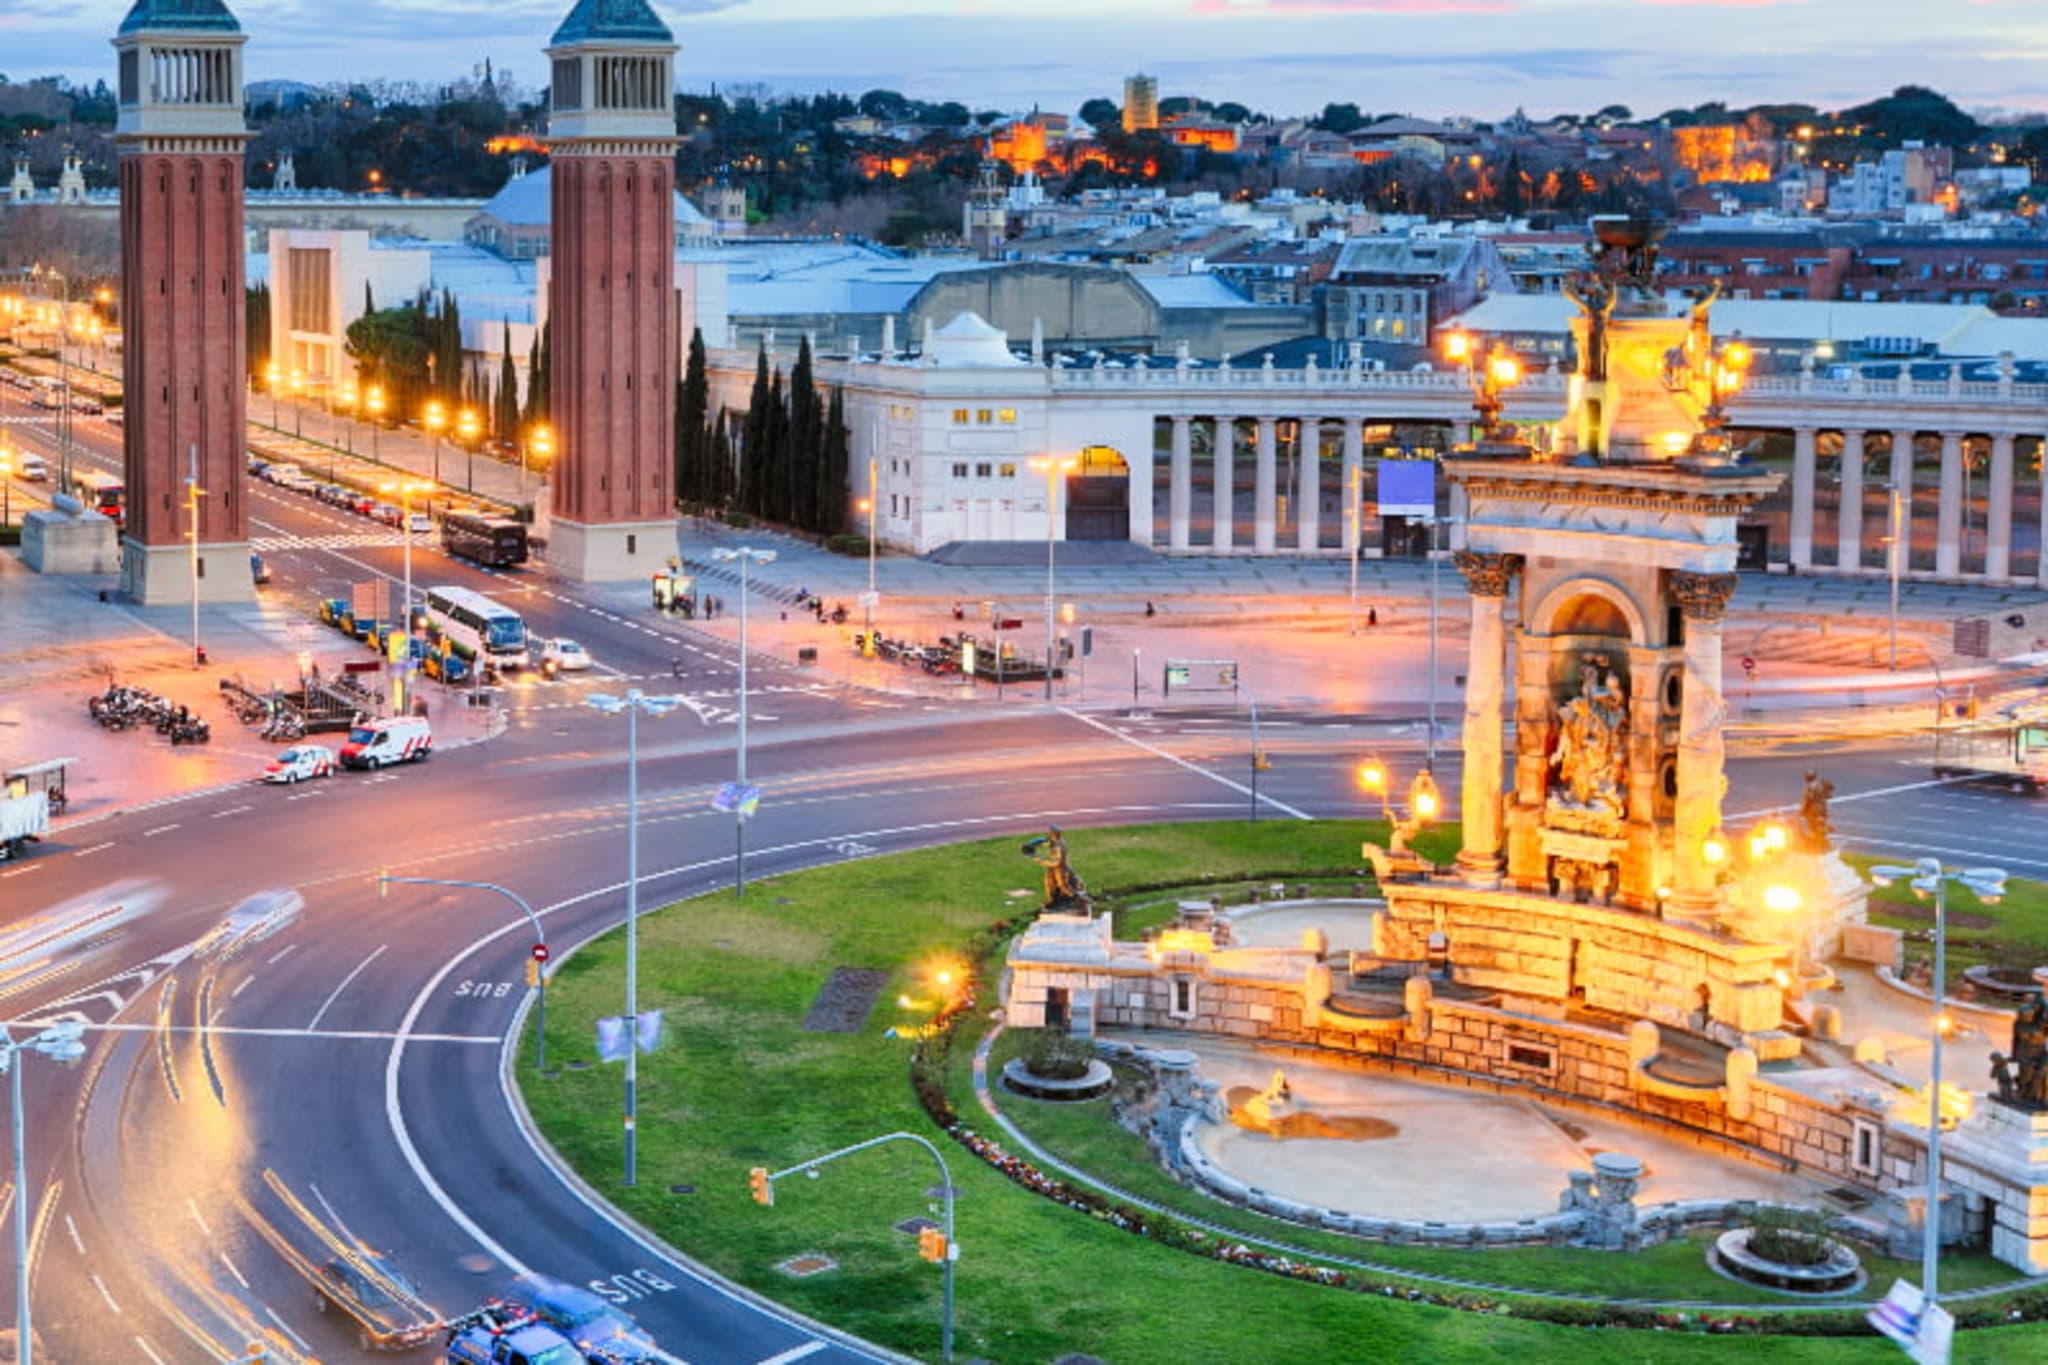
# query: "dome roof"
[[968, 342], [523, 202], [209, 16], [611, 21]]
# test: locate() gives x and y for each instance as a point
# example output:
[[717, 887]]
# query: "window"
[[1008, 471], [1007, 416], [307, 269], [960, 470], [1181, 1004], [1866, 1147], [1529, 1055], [959, 417], [983, 416], [983, 470]]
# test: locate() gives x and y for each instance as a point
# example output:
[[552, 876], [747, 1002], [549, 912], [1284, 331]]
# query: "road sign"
[[732, 796], [869, 600], [1748, 664], [540, 952]]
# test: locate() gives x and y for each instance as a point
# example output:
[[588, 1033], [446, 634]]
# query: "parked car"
[[258, 469], [34, 468], [86, 405], [567, 655], [389, 1313], [300, 762], [378, 743], [598, 1329], [385, 512], [420, 524], [361, 503]]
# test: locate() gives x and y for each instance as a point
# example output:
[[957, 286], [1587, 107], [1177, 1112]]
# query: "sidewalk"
[[63, 645]]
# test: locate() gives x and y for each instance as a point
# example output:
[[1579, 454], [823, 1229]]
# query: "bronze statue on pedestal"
[[1064, 889]]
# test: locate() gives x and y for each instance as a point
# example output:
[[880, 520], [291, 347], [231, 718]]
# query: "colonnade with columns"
[[1304, 497], [1885, 465]]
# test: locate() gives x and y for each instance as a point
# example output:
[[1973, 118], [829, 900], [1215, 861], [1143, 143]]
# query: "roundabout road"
[[339, 1080]]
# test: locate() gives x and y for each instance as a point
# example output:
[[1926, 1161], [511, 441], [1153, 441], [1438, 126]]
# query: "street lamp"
[[468, 428], [59, 1042], [1425, 801], [1501, 370], [272, 377], [745, 555], [345, 399], [373, 403], [872, 505], [1894, 558], [298, 383], [436, 417], [1927, 876], [1357, 534], [542, 442], [656, 707], [405, 488], [540, 944], [1433, 521], [1053, 470]]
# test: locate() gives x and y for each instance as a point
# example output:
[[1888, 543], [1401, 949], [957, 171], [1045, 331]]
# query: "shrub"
[[739, 521], [1057, 1056], [10, 535], [847, 543], [1790, 1236]]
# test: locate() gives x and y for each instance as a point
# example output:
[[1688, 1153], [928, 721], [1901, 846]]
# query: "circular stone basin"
[[1841, 1272], [1096, 1081]]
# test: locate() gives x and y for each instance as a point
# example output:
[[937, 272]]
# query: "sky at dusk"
[[1424, 57]]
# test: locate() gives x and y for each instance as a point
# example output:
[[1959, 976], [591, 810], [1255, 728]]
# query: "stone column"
[[1354, 473], [1178, 490], [1902, 480], [1948, 523], [1223, 501], [1703, 599], [1998, 502], [1265, 489], [1489, 577], [1849, 517], [1308, 485], [1802, 497]]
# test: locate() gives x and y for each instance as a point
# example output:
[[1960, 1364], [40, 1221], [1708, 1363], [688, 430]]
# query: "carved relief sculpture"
[[1591, 761], [2022, 1074]]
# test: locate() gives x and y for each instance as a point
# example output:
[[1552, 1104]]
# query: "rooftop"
[[611, 21], [207, 16]]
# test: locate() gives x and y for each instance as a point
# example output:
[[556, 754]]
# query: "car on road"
[[300, 762], [375, 744], [258, 469], [564, 654], [385, 512], [34, 468], [599, 1330], [250, 922], [390, 1315], [86, 405], [420, 524]]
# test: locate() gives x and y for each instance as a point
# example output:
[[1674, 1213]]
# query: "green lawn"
[[2012, 933], [739, 1083]]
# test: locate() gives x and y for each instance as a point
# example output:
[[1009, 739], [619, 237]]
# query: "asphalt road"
[[339, 1080]]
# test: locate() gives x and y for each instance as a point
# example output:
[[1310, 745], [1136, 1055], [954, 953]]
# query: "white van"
[[34, 468], [378, 743]]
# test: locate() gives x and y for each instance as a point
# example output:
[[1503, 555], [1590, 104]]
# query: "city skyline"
[[1429, 58]]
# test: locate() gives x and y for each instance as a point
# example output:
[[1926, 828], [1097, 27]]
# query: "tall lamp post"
[[405, 488], [746, 555], [1928, 877], [345, 399], [435, 418], [873, 507], [633, 704], [62, 1043], [1054, 471], [1895, 550], [373, 404], [1357, 534], [63, 376], [272, 377], [542, 442], [1500, 371], [1433, 521], [468, 428], [193, 492], [298, 383]]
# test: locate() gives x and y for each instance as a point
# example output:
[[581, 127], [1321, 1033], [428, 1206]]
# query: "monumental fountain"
[[1602, 941]]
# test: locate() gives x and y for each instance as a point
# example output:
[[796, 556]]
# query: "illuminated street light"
[[298, 383], [655, 707], [373, 403], [405, 488], [542, 442], [435, 418], [467, 429], [60, 1043], [1927, 876], [272, 377]]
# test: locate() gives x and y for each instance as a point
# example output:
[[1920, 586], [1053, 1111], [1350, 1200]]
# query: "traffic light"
[[764, 1190], [532, 973], [931, 1244]]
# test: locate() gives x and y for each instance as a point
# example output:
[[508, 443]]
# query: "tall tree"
[[804, 446], [754, 441], [256, 320], [834, 460], [695, 480], [505, 419]]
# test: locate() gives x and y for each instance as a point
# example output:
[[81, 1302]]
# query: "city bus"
[[498, 542], [477, 628], [102, 493]]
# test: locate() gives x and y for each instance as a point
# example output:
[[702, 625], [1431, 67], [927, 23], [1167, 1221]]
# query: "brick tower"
[[611, 293], [181, 135]]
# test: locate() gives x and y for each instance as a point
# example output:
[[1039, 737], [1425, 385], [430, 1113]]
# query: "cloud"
[[1295, 7]]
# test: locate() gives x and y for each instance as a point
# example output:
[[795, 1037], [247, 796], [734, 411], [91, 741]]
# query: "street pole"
[[874, 521], [1134, 681], [59, 1042], [540, 937], [745, 555], [1930, 1242], [1429, 745], [1051, 607], [192, 492], [1893, 564], [1357, 535], [1255, 755], [437, 458]]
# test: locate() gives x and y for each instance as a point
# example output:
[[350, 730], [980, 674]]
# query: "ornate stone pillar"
[[1265, 487], [1308, 485], [1948, 517], [1902, 480], [1178, 490], [1802, 497], [1223, 498], [1703, 599], [1354, 474], [1849, 515], [1998, 501], [1489, 577]]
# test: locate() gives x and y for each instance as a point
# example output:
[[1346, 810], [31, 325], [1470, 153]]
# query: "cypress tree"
[[806, 432], [776, 507], [834, 460], [505, 417], [694, 476], [754, 454]]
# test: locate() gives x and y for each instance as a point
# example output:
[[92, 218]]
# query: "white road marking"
[[241, 986], [321, 1012], [794, 1353], [149, 1351], [302, 1343], [1176, 759], [234, 810], [160, 829], [194, 1208], [101, 1285], [94, 849], [234, 1270], [76, 1240], [16, 872], [279, 957], [257, 1031]]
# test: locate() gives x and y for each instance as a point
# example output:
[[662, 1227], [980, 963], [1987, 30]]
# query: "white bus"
[[478, 628]]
